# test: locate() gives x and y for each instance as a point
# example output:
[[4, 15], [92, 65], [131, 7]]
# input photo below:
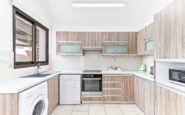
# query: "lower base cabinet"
[[116, 89], [53, 94], [9, 104], [144, 95], [169, 102]]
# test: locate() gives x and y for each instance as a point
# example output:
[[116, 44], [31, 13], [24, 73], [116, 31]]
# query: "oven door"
[[91, 86]]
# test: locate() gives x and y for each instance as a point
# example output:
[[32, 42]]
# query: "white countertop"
[[140, 74], [21, 84]]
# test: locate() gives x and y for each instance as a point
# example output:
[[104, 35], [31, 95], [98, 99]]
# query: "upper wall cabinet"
[[96, 40], [69, 48], [170, 31], [115, 48], [145, 40]]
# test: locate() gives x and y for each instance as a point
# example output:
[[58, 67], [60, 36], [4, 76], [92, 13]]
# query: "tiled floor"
[[97, 109]]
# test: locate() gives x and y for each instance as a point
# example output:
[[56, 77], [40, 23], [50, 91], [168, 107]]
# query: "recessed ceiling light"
[[98, 5]]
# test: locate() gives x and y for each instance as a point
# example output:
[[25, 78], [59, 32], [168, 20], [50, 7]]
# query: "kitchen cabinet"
[[9, 104], [132, 43], [118, 89], [70, 89], [115, 48], [144, 95], [69, 48], [53, 94], [95, 40], [169, 38], [92, 40], [169, 102], [145, 40]]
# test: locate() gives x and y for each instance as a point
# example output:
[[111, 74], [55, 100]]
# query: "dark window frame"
[[35, 24]]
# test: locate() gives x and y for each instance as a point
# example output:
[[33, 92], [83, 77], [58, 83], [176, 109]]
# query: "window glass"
[[40, 44], [24, 41]]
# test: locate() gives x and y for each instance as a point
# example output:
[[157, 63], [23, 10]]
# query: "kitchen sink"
[[41, 74], [37, 75]]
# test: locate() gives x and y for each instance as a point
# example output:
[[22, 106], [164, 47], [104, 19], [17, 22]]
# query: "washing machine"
[[34, 101]]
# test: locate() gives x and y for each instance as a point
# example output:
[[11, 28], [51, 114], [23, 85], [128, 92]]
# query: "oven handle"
[[91, 79]]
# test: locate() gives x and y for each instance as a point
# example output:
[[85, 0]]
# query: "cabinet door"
[[140, 43], [70, 89], [132, 43], [169, 102], [92, 39], [115, 48], [69, 48], [144, 95], [53, 94], [118, 89]]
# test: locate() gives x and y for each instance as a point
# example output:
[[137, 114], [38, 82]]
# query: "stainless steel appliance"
[[177, 76], [92, 82]]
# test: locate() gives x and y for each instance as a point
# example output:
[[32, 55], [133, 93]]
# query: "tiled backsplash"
[[95, 60]]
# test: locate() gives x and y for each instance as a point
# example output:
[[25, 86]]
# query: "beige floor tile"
[[111, 105], [82, 108], [79, 113], [128, 107], [63, 110], [114, 111], [131, 113], [97, 109]]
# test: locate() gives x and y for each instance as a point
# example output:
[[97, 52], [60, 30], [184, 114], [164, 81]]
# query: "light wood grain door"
[[9, 104], [132, 43], [118, 89], [53, 94], [144, 95], [169, 102], [169, 31]]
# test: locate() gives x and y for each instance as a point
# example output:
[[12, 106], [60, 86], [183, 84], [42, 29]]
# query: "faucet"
[[38, 68]]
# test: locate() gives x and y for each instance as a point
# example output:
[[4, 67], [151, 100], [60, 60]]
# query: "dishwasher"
[[70, 89]]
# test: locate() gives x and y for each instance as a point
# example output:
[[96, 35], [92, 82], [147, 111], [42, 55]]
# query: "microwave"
[[177, 76]]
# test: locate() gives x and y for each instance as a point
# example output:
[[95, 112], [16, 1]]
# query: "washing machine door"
[[40, 106]]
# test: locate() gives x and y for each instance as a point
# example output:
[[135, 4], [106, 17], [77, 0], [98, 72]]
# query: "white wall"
[[149, 61], [35, 9]]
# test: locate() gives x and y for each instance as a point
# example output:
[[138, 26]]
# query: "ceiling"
[[133, 17]]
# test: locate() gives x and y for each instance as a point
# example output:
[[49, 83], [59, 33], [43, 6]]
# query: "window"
[[30, 41]]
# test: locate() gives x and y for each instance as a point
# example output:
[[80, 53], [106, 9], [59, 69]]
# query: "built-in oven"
[[91, 82], [177, 76]]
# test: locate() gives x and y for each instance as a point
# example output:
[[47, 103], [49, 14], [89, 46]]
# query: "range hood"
[[92, 49]]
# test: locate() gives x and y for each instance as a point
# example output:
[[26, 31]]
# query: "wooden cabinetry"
[[132, 43], [144, 95], [143, 36], [169, 24], [69, 48], [94, 40], [169, 102], [53, 94], [9, 104], [118, 89]]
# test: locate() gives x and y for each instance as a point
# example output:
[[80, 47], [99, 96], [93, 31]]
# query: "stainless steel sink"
[[42, 74], [37, 75]]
